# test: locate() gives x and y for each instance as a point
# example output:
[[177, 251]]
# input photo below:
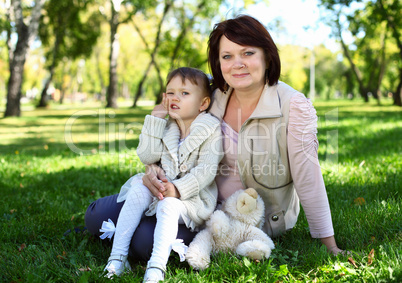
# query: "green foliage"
[[373, 47], [55, 162], [329, 74], [71, 35]]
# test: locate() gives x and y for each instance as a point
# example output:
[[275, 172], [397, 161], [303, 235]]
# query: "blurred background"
[[117, 53]]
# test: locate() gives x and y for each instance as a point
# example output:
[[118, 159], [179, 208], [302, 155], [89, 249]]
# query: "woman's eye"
[[249, 53], [226, 57]]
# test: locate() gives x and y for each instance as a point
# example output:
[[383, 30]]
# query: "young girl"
[[188, 147]]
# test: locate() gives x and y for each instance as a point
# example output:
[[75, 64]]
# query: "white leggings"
[[168, 215]]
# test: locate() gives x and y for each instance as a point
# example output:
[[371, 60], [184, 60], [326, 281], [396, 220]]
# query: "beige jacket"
[[263, 161], [192, 166]]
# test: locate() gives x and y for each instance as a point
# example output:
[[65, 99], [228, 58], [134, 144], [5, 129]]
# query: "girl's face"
[[243, 67], [185, 100]]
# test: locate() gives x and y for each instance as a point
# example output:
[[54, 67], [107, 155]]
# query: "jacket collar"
[[269, 105], [201, 129]]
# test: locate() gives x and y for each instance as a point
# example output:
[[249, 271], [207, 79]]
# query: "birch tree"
[[26, 24]]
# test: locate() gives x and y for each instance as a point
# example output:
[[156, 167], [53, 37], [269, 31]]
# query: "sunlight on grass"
[[54, 162]]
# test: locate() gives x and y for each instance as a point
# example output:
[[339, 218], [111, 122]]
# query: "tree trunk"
[[112, 91], [138, 93], [99, 72], [183, 33], [356, 72], [396, 35], [398, 94], [43, 98], [26, 35], [141, 83], [179, 40], [161, 84]]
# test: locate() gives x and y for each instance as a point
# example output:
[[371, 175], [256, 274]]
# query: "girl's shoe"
[[154, 273], [116, 265]]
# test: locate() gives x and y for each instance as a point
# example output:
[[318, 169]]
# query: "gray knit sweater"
[[192, 166]]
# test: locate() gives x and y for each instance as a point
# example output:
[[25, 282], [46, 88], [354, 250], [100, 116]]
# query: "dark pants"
[[143, 238]]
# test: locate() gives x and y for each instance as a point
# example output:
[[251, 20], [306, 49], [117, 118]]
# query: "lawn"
[[54, 162]]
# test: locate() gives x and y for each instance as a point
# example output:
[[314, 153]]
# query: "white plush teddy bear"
[[235, 228]]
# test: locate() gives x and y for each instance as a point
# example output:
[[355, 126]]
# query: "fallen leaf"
[[21, 185], [46, 147], [63, 256], [17, 152], [72, 218], [13, 210], [352, 261], [370, 257], [359, 201], [22, 247], [85, 269]]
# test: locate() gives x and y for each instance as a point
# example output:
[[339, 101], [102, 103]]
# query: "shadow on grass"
[[50, 203], [41, 147]]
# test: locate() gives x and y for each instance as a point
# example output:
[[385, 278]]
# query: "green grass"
[[55, 162]]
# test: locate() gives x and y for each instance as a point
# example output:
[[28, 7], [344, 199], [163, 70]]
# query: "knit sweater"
[[191, 167]]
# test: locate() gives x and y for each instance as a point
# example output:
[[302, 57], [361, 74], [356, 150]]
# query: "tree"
[[152, 52], [370, 73], [116, 18], [390, 12], [180, 40], [372, 25], [326, 64], [70, 36], [26, 29]]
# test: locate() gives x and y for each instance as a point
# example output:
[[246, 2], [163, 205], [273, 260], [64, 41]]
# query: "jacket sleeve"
[[200, 176], [305, 167], [150, 147]]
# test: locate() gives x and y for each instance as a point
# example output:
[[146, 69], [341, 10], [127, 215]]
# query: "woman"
[[269, 139]]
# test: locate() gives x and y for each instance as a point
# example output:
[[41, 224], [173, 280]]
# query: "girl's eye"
[[185, 93], [249, 53], [226, 57], [169, 93]]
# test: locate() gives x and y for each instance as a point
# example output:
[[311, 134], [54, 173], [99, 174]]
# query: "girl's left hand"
[[162, 109]]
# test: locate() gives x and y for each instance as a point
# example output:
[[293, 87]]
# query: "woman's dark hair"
[[195, 76], [246, 31]]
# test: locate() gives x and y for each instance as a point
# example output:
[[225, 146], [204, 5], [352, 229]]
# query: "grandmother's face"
[[243, 67]]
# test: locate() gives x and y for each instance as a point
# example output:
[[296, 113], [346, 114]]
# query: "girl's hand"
[[152, 180], [170, 190], [162, 109]]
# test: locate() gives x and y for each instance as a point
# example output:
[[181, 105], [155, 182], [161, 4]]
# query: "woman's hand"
[[330, 243], [162, 109], [153, 178]]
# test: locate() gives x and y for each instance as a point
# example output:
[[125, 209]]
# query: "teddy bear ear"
[[252, 192], [246, 203]]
